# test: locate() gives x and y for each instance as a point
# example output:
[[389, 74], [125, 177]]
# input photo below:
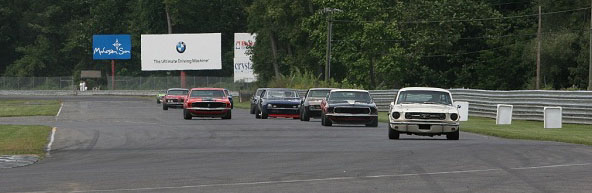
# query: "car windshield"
[[282, 94], [207, 93], [318, 93], [178, 92], [424, 97], [350, 95], [258, 93]]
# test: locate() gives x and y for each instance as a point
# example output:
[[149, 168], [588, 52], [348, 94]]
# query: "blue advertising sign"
[[112, 47]]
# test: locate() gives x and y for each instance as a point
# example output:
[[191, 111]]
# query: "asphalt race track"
[[129, 144]]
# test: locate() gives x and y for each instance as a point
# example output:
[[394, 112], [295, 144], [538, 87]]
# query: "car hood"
[[426, 108], [351, 104], [314, 100], [174, 96], [207, 99]]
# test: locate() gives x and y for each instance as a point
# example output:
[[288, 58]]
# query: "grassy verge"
[[242, 105], [23, 139], [15, 108], [530, 130]]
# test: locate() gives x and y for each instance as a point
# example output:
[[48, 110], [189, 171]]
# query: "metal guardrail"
[[528, 104]]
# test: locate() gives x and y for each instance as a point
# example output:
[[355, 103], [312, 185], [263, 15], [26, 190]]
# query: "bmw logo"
[[181, 47]]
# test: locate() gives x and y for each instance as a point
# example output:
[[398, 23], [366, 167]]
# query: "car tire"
[[165, 107], [252, 109], [374, 123], [264, 115], [325, 121], [453, 136], [257, 115], [393, 134], [186, 114], [228, 115], [304, 115]]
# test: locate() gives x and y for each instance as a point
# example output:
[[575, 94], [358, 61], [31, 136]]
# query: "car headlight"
[[396, 115], [454, 116], [269, 105]]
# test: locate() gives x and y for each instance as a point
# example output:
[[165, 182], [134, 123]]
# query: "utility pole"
[[590, 60], [329, 31], [538, 59]]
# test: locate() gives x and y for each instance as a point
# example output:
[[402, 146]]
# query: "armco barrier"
[[528, 104]]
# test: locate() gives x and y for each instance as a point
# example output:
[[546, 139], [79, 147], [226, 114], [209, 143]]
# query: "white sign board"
[[463, 110], [242, 43], [181, 51], [504, 115], [243, 66], [553, 117], [243, 70]]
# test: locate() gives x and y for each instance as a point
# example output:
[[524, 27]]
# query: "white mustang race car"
[[423, 111]]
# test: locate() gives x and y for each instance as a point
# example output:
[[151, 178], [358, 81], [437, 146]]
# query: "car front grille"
[[434, 116], [208, 105], [287, 106], [351, 110]]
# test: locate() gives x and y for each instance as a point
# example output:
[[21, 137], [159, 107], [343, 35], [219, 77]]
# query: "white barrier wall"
[[553, 117], [463, 109], [504, 115]]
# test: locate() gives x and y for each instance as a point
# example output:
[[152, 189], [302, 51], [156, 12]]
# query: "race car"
[[174, 98], [159, 96], [278, 102], [311, 105], [207, 102], [349, 106]]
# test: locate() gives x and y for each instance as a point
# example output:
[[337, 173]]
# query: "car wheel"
[[228, 115], [186, 114], [304, 115], [165, 107], [257, 114], [393, 134], [453, 136], [325, 121], [374, 123], [264, 115]]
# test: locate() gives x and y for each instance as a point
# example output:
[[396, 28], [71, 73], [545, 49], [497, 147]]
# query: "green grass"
[[242, 105], [23, 139], [529, 130], [15, 108]]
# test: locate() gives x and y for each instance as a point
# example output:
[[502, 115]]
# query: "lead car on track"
[[423, 111], [349, 106], [207, 102]]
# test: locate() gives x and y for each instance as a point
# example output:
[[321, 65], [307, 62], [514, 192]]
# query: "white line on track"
[[325, 179], [51, 139], [59, 111]]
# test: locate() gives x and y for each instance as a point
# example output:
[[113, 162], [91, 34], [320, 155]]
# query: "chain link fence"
[[37, 83], [166, 82]]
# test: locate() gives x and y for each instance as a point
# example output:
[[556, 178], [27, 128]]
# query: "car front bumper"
[[283, 112], [425, 127], [208, 112], [344, 118]]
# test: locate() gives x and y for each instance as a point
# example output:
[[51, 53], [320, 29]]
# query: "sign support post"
[[112, 74], [183, 79]]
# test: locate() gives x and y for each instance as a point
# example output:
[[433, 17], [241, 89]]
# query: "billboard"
[[243, 66], [112, 47], [181, 52], [243, 70]]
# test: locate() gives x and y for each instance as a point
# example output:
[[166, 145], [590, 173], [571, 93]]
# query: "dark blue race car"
[[278, 102]]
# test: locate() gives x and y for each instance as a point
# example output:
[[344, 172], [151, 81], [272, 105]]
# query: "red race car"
[[207, 102], [174, 98]]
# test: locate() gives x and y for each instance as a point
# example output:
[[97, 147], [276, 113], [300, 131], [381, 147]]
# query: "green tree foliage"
[[487, 44]]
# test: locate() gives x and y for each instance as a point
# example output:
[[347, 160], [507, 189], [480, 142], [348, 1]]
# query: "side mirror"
[[458, 106]]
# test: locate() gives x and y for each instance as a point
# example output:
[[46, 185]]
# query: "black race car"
[[278, 102], [349, 106]]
